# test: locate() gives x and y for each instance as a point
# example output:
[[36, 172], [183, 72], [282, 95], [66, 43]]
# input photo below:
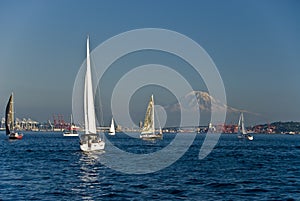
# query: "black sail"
[[9, 115]]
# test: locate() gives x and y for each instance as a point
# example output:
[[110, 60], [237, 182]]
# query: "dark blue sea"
[[48, 166]]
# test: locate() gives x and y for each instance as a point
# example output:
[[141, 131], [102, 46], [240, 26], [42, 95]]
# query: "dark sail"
[[9, 115]]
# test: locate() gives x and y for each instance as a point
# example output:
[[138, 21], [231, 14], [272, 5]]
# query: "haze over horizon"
[[254, 44]]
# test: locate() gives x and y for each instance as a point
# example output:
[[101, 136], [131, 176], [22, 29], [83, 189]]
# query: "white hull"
[[91, 142], [70, 134], [92, 146], [250, 138], [112, 133], [151, 136], [246, 136]]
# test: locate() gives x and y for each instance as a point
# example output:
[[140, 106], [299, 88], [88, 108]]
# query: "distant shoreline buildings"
[[32, 125], [60, 125], [24, 124]]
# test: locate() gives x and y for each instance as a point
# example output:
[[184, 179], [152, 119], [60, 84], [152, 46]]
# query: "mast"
[[71, 125], [12, 112], [153, 123]]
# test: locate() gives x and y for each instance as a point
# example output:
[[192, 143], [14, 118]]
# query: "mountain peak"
[[205, 104]]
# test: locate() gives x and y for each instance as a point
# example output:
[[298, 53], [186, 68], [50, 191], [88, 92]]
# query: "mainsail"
[[241, 127], [89, 110], [112, 127], [149, 118], [9, 115]]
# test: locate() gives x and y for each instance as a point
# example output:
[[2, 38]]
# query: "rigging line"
[[97, 89], [156, 117]]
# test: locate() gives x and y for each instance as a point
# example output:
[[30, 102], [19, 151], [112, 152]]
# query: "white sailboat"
[[112, 130], [72, 131], [90, 140], [148, 130], [242, 133]]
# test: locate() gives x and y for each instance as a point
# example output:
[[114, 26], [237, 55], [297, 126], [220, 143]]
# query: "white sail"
[[241, 125], [112, 127], [160, 131], [241, 129], [89, 110]]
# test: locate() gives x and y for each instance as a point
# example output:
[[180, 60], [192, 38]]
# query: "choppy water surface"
[[48, 166]]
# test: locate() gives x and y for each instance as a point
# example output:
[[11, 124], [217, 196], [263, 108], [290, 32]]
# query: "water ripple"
[[50, 167]]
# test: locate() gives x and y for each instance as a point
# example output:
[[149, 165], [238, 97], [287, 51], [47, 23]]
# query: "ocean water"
[[48, 166]]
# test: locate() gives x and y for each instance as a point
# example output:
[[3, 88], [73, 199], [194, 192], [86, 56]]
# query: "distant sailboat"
[[148, 130], [9, 120], [90, 141], [112, 130], [242, 133], [71, 132]]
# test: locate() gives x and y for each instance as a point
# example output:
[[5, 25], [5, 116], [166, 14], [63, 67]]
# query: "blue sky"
[[254, 44]]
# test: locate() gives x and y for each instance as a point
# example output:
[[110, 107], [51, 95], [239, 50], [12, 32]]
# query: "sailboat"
[[242, 133], [148, 130], [71, 132], [9, 120], [112, 130], [90, 140]]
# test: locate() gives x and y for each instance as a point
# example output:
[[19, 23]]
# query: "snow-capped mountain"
[[204, 102]]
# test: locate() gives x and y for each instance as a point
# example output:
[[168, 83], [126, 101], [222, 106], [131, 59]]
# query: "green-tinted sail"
[[149, 118]]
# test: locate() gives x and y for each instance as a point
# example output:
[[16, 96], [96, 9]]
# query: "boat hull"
[[111, 133], [91, 142], [15, 136], [70, 135], [151, 136], [247, 136], [92, 146], [250, 137]]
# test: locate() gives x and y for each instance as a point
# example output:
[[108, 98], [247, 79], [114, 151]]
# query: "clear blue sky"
[[255, 45]]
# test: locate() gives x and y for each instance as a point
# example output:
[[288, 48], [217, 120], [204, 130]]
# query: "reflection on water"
[[88, 169], [89, 174]]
